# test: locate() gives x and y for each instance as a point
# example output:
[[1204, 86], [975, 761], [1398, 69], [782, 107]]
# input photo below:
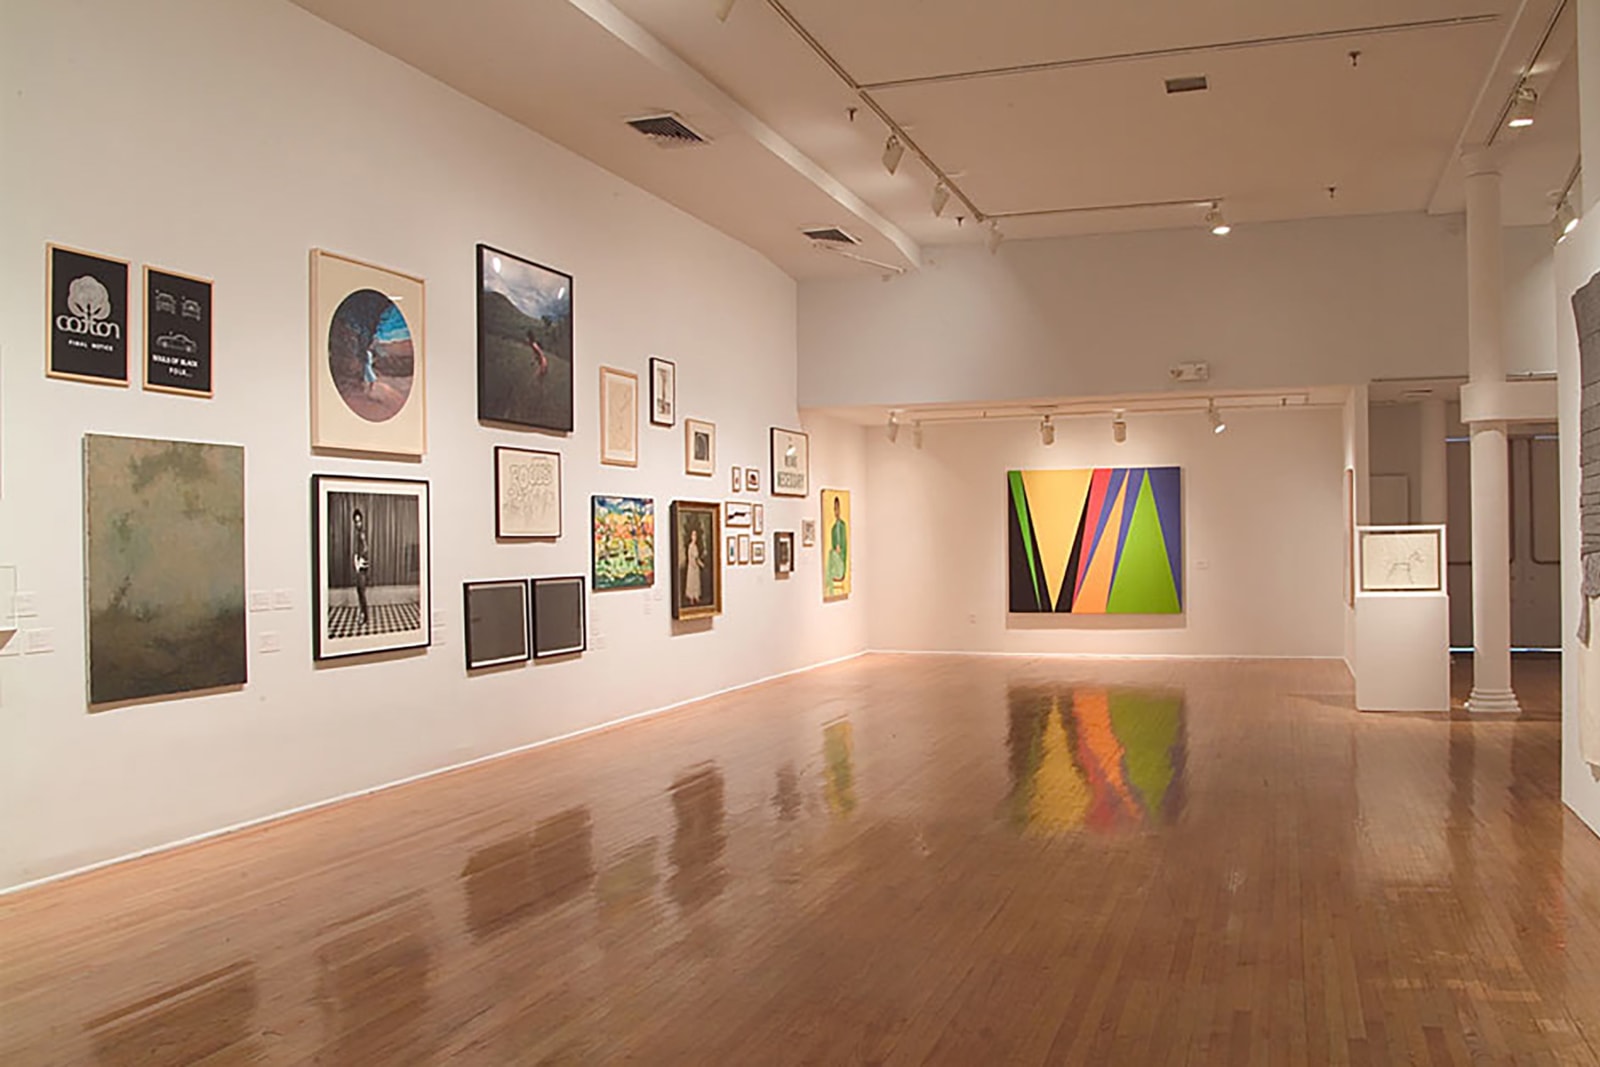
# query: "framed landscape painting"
[[164, 567], [696, 567], [663, 392], [370, 554], [524, 342], [619, 417], [699, 447], [791, 463], [527, 491], [368, 358], [560, 617], [836, 565], [496, 616], [624, 542], [86, 303]]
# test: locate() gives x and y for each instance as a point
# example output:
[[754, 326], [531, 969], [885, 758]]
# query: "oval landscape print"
[[370, 355]]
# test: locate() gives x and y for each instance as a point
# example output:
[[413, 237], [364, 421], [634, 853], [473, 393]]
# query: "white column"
[[1491, 489], [1433, 503]]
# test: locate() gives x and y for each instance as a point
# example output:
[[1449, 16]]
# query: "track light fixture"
[[993, 238], [1047, 431], [1217, 425], [893, 429], [893, 152], [1523, 106], [1119, 428], [1566, 220], [1216, 221], [941, 197], [916, 433]]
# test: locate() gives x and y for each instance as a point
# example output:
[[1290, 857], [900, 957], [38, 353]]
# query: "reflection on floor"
[[895, 860]]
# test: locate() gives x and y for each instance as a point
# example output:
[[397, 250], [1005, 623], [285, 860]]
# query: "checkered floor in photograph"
[[381, 619]]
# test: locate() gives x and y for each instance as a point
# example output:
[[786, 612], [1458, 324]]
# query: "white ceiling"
[[1281, 122]]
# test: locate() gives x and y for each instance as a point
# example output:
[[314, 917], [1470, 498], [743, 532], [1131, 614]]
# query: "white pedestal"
[[1402, 652]]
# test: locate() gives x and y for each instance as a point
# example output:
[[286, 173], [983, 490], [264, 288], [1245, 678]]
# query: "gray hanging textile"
[[1586, 308]]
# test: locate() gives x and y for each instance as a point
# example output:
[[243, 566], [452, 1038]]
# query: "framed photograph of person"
[[619, 417], [738, 479], [368, 358], [560, 617], [370, 565], [699, 447], [752, 480], [86, 300], [758, 551], [527, 493], [524, 342], [696, 570], [177, 333], [837, 563], [808, 533], [783, 553], [758, 519], [744, 549], [736, 513], [663, 392], [496, 616], [791, 463]]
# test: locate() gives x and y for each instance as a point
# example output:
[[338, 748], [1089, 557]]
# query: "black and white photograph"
[[177, 333], [752, 480], [783, 553], [87, 303], [663, 392], [370, 548], [496, 616], [699, 447], [560, 616]]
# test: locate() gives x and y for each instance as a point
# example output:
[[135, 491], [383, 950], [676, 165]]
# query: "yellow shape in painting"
[[1096, 588], [1055, 504], [1060, 800]]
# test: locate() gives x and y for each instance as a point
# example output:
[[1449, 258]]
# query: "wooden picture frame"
[[699, 447], [738, 479], [525, 342], [758, 551], [752, 480], [527, 494], [696, 563], [744, 549], [791, 462], [758, 519], [619, 417], [486, 614], [86, 316], [736, 514], [552, 603], [178, 355], [663, 392]]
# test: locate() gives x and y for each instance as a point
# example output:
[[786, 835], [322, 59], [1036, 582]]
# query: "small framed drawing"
[[791, 463], [738, 479], [368, 358], [808, 533], [560, 617], [496, 623], [736, 513], [86, 303], [758, 519], [744, 548], [696, 570], [177, 333], [733, 550], [783, 553], [619, 417], [752, 480], [524, 342], [1401, 559], [699, 447], [758, 551], [663, 392], [527, 493], [369, 565]]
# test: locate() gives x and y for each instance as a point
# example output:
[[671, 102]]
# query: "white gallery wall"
[[1263, 573], [227, 140]]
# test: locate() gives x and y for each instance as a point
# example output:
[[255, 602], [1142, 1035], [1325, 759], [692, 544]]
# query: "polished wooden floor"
[[894, 860]]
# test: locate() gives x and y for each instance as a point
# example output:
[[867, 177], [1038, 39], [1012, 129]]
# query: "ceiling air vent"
[[1195, 84], [667, 130], [831, 235]]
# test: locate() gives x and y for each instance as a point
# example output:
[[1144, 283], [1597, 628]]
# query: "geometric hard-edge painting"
[[1100, 541]]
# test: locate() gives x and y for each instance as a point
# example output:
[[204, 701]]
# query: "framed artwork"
[[624, 542], [177, 333], [699, 447], [1096, 541], [164, 567], [738, 479], [791, 463], [752, 480], [696, 571], [560, 617], [733, 550], [524, 342], [758, 519], [619, 417], [368, 358], [87, 304], [736, 513], [808, 533], [783, 553], [370, 565], [744, 548], [1401, 559], [663, 392], [758, 551], [837, 563], [496, 616], [527, 493]]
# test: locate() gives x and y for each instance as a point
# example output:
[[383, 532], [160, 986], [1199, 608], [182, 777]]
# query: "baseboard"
[[262, 820], [1141, 656]]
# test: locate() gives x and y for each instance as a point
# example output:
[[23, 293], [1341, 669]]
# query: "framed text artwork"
[[368, 358], [663, 392], [696, 567], [619, 417], [496, 623], [177, 333], [524, 342], [369, 561], [791, 463], [527, 492], [87, 304], [699, 447]]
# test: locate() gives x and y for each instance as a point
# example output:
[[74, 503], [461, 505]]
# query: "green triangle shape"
[[1143, 583], [1148, 728]]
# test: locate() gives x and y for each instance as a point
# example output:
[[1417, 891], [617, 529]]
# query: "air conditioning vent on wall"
[[831, 235], [1195, 84], [667, 130]]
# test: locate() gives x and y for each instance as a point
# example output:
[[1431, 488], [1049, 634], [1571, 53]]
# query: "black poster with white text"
[[88, 316], [177, 332]]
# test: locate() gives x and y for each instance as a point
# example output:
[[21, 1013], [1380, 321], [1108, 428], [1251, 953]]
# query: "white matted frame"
[[699, 447], [372, 597], [619, 417], [1400, 559], [791, 463]]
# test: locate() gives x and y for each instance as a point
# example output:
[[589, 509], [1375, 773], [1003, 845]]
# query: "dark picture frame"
[[485, 613], [551, 602], [86, 316], [790, 472], [519, 488], [783, 553], [526, 354], [393, 609], [178, 333], [696, 559], [663, 397]]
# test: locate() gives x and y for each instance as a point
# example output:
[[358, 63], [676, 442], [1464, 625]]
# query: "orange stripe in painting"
[[1055, 503], [1092, 712], [1096, 587]]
